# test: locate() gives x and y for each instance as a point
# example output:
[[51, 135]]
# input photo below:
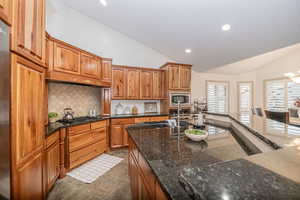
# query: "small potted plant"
[[52, 117]]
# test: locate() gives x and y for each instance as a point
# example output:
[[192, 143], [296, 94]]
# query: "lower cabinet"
[[52, 160], [143, 183], [29, 180], [118, 132]]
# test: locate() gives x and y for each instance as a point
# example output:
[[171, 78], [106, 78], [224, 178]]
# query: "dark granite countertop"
[[219, 169], [53, 127], [282, 134], [168, 155]]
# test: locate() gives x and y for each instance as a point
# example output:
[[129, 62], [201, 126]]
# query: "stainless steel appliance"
[[4, 112], [68, 115], [184, 98]]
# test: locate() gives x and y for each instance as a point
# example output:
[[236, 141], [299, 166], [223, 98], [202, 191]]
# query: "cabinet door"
[[106, 70], [134, 178], [5, 10], [185, 77], [105, 101], [174, 77], [52, 164], [157, 85], [118, 83], [27, 108], [146, 84], [28, 183], [144, 193], [90, 66], [116, 136], [133, 84], [125, 136], [66, 59], [28, 29]]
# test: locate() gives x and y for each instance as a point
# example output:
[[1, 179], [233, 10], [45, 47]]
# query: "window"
[[245, 92], [217, 96], [281, 94]]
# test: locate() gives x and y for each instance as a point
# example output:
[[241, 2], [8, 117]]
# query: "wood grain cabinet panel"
[[146, 84], [174, 77], [52, 164], [157, 85], [116, 136], [66, 59], [27, 108], [28, 29], [90, 66], [118, 83], [29, 181], [106, 70], [5, 11], [185, 77], [133, 84], [105, 101]]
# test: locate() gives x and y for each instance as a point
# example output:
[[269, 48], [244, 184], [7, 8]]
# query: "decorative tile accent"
[[78, 97]]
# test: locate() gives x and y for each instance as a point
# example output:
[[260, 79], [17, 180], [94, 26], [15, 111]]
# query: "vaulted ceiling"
[[171, 26]]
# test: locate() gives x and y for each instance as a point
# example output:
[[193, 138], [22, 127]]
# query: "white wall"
[[79, 30], [275, 69]]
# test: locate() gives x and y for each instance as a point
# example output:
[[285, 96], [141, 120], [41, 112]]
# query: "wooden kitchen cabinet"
[[90, 66], [27, 128], [28, 29], [185, 77], [105, 101], [178, 76], [146, 84], [116, 136], [174, 77], [119, 83], [157, 85], [52, 164], [5, 11], [106, 73], [133, 84], [66, 59]]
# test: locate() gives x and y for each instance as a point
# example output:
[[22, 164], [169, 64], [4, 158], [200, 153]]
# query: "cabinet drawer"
[[80, 156], [157, 119], [142, 119], [122, 121], [79, 129], [52, 139], [99, 134], [99, 124]]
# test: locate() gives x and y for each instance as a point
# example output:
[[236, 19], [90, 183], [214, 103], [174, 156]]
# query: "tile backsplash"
[[80, 98], [128, 104]]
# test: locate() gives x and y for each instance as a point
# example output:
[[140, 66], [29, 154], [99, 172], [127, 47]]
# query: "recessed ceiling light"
[[103, 2], [226, 27], [188, 51]]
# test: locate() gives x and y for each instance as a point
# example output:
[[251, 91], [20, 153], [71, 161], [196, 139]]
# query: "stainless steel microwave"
[[183, 97]]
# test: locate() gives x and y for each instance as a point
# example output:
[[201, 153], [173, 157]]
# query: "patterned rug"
[[95, 168]]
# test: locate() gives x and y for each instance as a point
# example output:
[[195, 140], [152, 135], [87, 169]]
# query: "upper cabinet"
[[174, 77], [5, 11], [118, 83], [133, 83], [106, 69], [70, 64], [178, 76], [146, 84], [66, 59], [185, 77], [90, 65], [137, 83], [28, 29]]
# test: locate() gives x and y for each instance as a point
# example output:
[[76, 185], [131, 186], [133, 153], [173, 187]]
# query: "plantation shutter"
[[217, 97], [275, 95], [245, 97], [293, 92]]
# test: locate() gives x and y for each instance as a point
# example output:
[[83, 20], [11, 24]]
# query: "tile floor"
[[113, 185]]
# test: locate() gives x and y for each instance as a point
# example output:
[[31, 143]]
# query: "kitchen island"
[[163, 164]]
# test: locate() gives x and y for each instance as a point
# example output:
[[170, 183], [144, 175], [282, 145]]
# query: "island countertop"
[[177, 163]]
